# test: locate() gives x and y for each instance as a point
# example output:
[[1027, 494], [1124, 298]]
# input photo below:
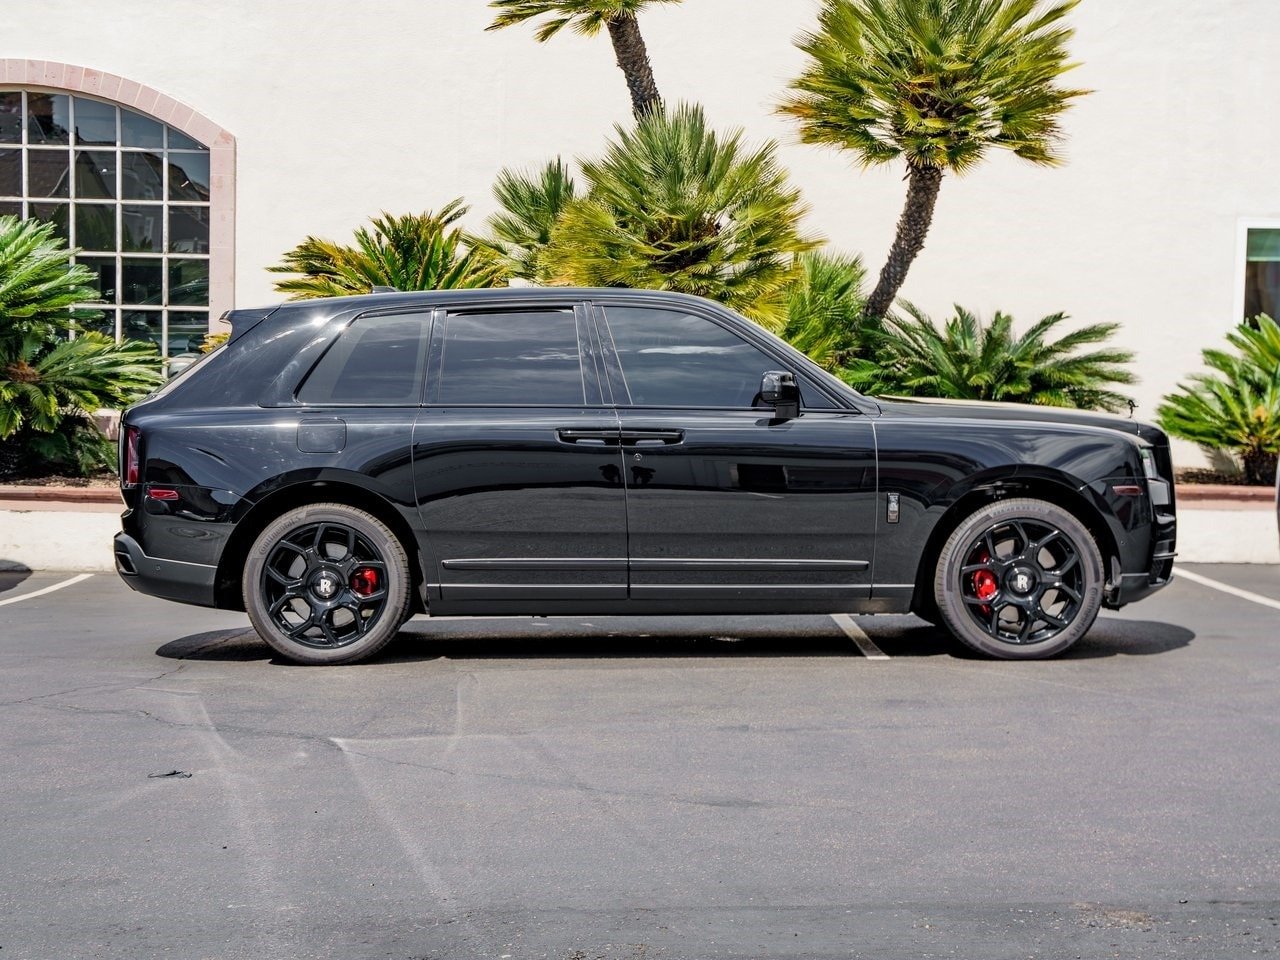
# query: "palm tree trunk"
[[917, 214], [633, 60]]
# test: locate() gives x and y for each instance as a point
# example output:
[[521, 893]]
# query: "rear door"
[[725, 502], [516, 460]]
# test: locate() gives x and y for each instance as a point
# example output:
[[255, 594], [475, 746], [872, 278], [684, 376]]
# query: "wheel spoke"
[[1065, 565]]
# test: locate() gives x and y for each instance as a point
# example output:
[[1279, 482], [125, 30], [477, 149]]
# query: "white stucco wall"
[[341, 109]]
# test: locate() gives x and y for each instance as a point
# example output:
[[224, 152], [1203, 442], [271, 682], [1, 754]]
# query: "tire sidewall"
[[393, 614], [947, 592]]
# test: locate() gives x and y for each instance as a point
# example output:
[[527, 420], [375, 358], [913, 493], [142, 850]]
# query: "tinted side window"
[[526, 357], [675, 359], [376, 360]]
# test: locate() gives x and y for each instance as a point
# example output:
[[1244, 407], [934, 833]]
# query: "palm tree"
[[674, 206], [587, 17], [413, 252], [938, 83], [51, 385], [967, 360], [529, 206], [1237, 406], [825, 309]]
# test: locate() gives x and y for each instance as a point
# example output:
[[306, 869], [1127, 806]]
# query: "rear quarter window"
[[378, 361]]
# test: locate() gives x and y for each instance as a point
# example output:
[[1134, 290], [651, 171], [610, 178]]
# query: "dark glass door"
[[517, 463], [724, 502]]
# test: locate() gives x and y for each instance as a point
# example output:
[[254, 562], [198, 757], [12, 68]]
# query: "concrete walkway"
[[39, 535]]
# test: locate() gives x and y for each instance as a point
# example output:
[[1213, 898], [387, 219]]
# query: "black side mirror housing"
[[778, 389]]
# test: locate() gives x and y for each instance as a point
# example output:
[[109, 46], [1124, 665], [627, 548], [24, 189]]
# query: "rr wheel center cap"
[[326, 585], [1021, 581]]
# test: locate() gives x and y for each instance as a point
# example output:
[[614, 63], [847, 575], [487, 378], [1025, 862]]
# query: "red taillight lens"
[[131, 466]]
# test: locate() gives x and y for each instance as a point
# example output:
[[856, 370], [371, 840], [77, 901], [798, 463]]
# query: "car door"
[[725, 502], [516, 461]]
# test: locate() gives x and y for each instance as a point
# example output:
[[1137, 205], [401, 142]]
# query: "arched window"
[[131, 192]]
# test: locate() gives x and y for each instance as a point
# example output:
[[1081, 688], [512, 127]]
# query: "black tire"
[[1019, 580], [327, 584]]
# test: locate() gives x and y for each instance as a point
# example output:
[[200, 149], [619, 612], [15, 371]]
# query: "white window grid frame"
[[1243, 226], [164, 256]]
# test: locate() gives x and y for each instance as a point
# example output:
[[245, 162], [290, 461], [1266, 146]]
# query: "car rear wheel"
[[1019, 580], [327, 584]]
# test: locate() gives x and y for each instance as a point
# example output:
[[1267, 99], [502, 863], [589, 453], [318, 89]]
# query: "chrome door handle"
[[652, 438], [593, 438]]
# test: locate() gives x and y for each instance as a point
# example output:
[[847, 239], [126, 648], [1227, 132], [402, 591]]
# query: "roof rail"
[[378, 288]]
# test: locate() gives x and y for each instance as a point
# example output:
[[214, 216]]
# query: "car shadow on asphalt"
[[541, 639], [12, 575]]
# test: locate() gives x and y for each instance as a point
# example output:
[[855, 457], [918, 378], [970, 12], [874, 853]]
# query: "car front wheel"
[[327, 584], [1019, 579]]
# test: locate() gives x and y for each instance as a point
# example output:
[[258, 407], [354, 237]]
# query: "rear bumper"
[[168, 579]]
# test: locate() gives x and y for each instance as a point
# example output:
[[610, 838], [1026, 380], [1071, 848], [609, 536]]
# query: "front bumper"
[[168, 579]]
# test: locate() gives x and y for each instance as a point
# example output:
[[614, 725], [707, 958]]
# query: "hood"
[[932, 408]]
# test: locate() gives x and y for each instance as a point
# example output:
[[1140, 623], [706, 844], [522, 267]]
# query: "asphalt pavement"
[[636, 789]]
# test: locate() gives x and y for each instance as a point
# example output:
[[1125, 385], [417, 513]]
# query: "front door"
[[726, 504], [516, 461]]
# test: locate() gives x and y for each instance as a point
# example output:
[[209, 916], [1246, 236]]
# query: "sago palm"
[[588, 17], [51, 385], [674, 206], [529, 206], [413, 252], [38, 289], [968, 360], [824, 309], [937, 83], [1236, 407]]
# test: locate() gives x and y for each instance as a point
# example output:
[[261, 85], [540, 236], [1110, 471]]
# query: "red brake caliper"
[[985, 585], [365, 581]]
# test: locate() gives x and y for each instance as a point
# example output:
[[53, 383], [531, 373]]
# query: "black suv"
[[340, 465]]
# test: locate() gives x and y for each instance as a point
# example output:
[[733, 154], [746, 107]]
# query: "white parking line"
[[41, 593], [859, 637], [1227, 588]]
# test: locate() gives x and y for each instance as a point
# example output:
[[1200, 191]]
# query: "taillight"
[[131, 466]]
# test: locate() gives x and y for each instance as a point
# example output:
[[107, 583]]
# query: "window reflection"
[[142, 176], [95, 175], [189, 176], [139, 131], [48, 173], [1262, 274], [676, 359], [142, 227], [130, 192], [518, 358], [95, 121], [48, 118]]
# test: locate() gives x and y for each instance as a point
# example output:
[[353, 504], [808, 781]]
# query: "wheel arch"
[[227, 588], [1052, 487]]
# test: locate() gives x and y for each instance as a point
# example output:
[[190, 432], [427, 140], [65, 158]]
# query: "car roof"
[[481, 294]]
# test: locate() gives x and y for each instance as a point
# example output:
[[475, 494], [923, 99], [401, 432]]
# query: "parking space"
[[638, 788]]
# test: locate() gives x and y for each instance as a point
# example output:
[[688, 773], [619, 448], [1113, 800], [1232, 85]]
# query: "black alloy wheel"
[[326, 584], [1019, 579]]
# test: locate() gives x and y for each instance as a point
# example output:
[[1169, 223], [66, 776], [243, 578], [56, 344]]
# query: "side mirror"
[[778, 389]]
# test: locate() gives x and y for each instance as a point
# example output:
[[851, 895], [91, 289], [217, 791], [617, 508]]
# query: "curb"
[[1196, 492], [59, 494]]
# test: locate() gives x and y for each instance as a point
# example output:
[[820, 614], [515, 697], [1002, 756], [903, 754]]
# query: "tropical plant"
[[587, 17], [824, 309], [674, 206], [413, 252], [212, 341], [1237, 406], [969, 360], [51, 385], [938, 83], [529, 206]]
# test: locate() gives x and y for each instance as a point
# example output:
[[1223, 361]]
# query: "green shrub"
[[1236, 407], [414, 252], [824, 307], [672, 205], [969, 360], [51, 385]]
